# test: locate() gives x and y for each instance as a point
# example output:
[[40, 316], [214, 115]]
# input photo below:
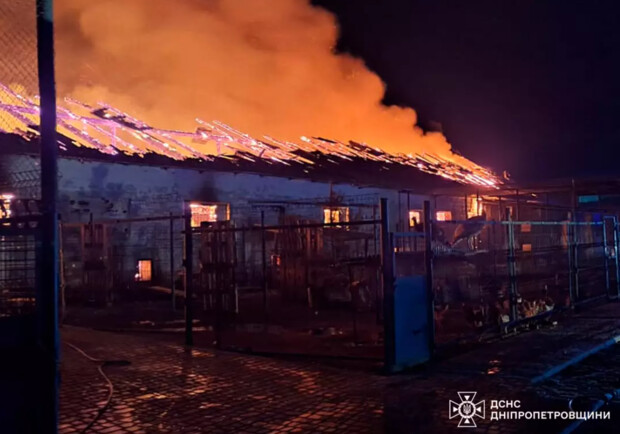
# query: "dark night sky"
[[530, 86]]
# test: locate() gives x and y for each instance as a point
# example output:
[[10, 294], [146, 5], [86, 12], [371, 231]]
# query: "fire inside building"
[[273, 246]]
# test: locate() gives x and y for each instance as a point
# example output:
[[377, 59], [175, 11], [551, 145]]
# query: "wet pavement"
[[167, 388]]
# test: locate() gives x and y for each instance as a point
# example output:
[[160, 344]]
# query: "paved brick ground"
[[169, 389]]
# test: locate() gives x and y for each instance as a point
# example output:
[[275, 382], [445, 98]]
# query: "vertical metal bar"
[[408, 210], [47, 282], [465, 201], [428, 265], [607, 282], [387, 266], [512, 269], [188, 263], [575, 251], [576, 256], [569, 242], [499, 205], [399, 226], [61, 277], [218, 258], [374, 230], [264, 264], [616, 256], [172, 282]]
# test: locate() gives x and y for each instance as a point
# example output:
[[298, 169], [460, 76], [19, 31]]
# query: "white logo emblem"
[[467, 409]]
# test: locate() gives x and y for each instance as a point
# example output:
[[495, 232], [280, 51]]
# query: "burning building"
[[116, 167]]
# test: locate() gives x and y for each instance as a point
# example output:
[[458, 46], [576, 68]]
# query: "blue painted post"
[[47, 284]]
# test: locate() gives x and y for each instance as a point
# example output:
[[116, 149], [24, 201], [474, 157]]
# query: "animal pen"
[[499, 271], [271, 277]]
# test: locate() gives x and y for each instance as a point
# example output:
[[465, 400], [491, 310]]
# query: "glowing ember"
[[112, 131]]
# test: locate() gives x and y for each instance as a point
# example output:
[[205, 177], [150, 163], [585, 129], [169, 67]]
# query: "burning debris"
[[112, 131]]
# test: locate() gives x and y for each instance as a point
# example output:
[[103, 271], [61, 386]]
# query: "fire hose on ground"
[[101, 364], [607, 398]]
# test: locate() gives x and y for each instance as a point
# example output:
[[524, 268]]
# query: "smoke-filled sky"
[[527, 85], [263, 66], [531, 86]]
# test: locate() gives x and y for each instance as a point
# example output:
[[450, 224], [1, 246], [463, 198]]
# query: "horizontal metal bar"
[[297, 226], [408, 234], [519, 223], [129, 220]]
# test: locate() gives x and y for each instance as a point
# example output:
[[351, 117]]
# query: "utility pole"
[[47, 282]]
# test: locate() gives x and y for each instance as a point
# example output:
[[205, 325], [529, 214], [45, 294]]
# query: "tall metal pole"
[[172, 283], [387, 265], [605, 258], [47, 285], [188, 263], [428, 265], [264, 266], [616, 246], [512, 266]]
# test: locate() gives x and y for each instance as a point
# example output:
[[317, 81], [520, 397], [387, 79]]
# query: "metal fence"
[[295, 287], [267, 281], [121, 274], [490, 275], [273, 281], [18, 237], [18, 68]]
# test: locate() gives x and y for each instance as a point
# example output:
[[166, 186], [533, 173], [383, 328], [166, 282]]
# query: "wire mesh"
[[17, 267], [295, 287], [121, 274], [18, 68], [489, 274]]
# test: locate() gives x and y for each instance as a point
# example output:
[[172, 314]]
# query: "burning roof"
[[113, 132]]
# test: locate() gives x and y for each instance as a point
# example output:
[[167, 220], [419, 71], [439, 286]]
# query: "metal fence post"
[[605, 258], [387, 268], [264, 265], [512, 266], [47, 285], [616, 256], [576, 255], [188, 263], [428, 262], [569, 242], [172, 282]]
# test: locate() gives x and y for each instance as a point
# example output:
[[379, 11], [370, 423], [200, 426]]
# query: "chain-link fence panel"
[[18, 66]]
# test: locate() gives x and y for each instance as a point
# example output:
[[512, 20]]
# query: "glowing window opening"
[[5, 205], [474, 206], [443, 216], [145, 270], [335, 215], [415, 218], [202, 213]]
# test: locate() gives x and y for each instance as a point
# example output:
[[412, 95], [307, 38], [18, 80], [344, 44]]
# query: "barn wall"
[[118, 191]]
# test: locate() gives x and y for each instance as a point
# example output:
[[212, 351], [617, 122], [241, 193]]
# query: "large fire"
[[111, 131], [261, 65]]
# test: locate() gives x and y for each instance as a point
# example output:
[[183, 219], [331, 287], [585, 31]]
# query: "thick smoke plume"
[[263, 66]]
